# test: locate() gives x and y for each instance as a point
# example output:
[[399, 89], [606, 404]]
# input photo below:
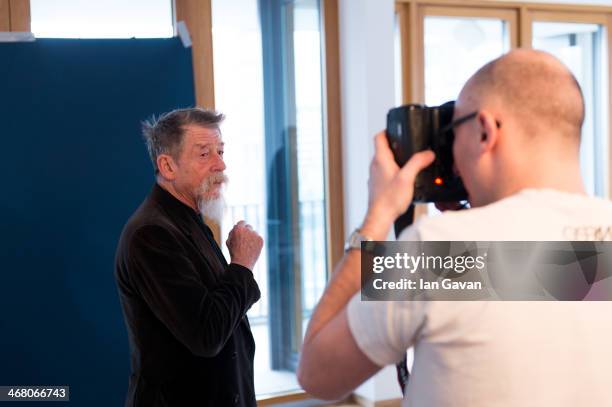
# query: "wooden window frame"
[[333, 134], [604, 19], [15, 15], [521, 15], [197, 15]]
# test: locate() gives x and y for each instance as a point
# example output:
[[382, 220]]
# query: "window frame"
[[428, 10], [520, 15], [604, 20], [198, 14], [15, 15]]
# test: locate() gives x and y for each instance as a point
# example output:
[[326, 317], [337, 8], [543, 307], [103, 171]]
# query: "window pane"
[[239, 95], [101, 19], [309, 124], [276, 168], [581, 48], [239, 87], [455, 48]]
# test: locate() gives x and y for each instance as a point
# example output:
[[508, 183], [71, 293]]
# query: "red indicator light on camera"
[[438, 181]]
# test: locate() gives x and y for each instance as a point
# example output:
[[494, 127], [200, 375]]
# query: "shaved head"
[[532, 86], [529, 114]]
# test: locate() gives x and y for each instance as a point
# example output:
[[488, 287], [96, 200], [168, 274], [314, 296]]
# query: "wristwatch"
[[354, 241]]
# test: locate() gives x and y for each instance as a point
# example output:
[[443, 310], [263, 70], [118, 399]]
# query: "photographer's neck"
[[560, 172]]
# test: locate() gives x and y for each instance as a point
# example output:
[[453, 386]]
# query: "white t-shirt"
[[499, 353]]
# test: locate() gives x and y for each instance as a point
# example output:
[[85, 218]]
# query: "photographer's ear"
[[490, 128]]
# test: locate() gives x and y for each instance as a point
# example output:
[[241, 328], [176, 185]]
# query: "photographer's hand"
[[390, 187], [330, 352]]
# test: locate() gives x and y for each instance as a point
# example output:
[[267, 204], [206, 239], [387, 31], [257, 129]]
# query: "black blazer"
[[185, 310]]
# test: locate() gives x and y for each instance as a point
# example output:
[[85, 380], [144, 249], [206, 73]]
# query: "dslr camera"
[[414, 128]]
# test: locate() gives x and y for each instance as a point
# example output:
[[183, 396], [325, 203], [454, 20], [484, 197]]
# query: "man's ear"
[[490, 130], [166, 166]]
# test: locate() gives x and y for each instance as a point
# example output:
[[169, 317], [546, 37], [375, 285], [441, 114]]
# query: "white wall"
[[366, 55]]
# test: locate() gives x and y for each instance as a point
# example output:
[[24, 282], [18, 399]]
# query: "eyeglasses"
[[449, 127], [458, 122]]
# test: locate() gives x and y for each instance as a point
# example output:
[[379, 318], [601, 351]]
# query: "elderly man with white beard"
[[184, 305]]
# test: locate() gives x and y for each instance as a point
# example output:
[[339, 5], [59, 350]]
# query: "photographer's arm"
[[331, 363]]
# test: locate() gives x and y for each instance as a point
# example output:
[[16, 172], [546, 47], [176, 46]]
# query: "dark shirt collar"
[[186, 217], [175, 207]]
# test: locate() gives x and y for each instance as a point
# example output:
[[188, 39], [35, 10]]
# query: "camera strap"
[[401, 223], [402, 373]]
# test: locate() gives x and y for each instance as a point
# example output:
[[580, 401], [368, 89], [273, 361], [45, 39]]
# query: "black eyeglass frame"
[[449, 127]]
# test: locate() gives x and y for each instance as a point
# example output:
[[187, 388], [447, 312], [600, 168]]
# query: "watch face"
[[354, 241]]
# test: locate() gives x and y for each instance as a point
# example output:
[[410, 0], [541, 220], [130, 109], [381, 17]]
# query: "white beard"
[[213, 209]]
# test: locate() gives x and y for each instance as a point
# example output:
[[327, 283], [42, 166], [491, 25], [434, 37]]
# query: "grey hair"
[[164, 135]]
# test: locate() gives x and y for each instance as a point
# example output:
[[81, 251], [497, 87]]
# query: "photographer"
[[519, 160]]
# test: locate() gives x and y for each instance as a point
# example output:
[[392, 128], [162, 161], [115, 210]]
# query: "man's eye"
[[205, 154], [221, 152]]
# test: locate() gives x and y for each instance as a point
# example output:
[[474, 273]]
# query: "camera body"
[[414, 128]]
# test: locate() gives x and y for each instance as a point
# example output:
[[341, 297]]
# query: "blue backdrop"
[[73, 168]]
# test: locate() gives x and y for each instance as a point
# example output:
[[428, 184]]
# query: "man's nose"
[[219, 164]]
